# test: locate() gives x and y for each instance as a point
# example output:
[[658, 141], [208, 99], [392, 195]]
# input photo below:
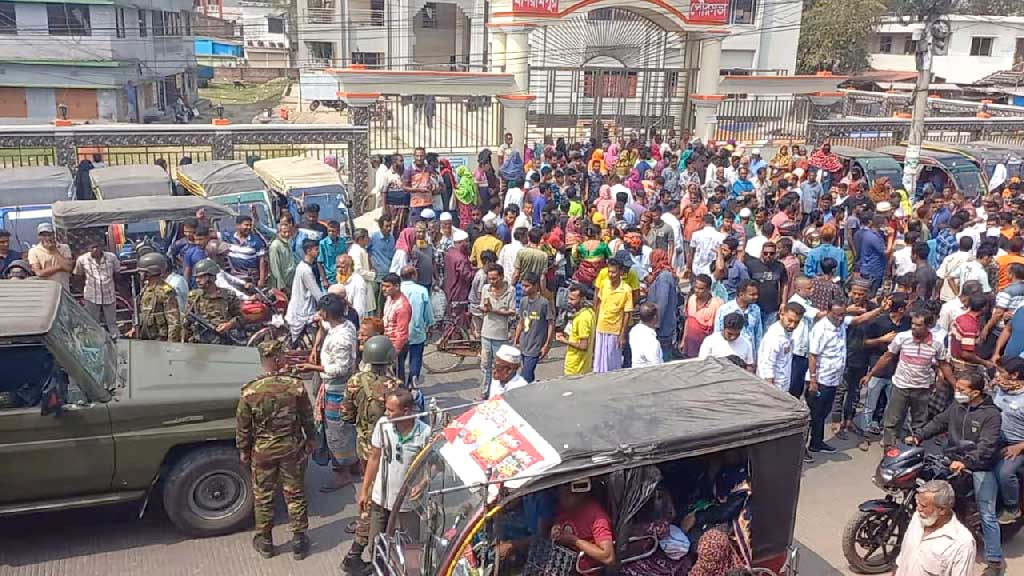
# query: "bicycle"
[[451, 341]]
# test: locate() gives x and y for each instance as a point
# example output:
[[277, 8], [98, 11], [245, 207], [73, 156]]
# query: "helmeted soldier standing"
[[220, 308], [275, 435], [363, 406], [159, 317]]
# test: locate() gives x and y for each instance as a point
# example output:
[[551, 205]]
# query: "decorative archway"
[[605, 68]]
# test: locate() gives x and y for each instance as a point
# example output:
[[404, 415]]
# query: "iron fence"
[[29, 156], [123, 155], [875, 132], [763, 119], [445, 124]]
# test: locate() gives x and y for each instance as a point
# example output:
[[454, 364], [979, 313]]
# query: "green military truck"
[[86, 421]]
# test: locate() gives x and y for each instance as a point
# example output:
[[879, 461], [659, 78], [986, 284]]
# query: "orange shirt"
[[1004, 262], [693, 219]]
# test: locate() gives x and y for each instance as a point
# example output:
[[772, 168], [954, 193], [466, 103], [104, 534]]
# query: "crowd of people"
[[895, 315]]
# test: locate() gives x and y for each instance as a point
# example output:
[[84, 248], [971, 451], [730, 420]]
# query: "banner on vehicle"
[[494, 443], [709, 11]]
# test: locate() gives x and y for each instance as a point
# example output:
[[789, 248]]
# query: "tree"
[[834, 34]]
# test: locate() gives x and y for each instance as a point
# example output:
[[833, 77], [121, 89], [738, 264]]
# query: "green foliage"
[[834, 34]]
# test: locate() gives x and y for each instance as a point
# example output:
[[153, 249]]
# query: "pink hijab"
[[611, 156], [406, 240], [605, 203]]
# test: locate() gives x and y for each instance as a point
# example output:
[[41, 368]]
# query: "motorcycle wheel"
[[865, 555], [314, 105], [1008, 531], [265, 333]]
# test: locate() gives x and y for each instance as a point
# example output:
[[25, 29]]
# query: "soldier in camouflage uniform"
[[159, 317], [218, 307], [363, 406], [275, 435]]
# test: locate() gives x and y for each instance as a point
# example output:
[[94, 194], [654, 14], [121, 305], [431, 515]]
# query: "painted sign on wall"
[[709, 11], [535, 6]]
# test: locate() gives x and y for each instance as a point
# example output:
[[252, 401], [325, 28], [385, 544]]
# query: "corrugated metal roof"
[[27, 307]]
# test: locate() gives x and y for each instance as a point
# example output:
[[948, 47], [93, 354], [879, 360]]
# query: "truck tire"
[[209, 492]]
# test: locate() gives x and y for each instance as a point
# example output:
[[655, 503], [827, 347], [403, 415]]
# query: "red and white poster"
[[494, 438], [709, 11], [535, 6]]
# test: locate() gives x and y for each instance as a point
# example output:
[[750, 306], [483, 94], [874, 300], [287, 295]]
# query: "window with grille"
[[68, 20], [981, 46]]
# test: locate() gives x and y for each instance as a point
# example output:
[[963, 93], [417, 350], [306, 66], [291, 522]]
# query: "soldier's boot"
[[264, 544], [300, 545], [353, 563]]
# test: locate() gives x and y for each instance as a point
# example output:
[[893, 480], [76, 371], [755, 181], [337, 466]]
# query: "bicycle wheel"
[[437, 359]]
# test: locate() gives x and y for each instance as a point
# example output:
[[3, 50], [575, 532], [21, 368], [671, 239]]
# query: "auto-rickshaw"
[[1010, 155], [942, 169], [985, 158], [130, 181], [231, 183], [305, 181], [26, 195], [872, 164], [117, 222], [627, 439]]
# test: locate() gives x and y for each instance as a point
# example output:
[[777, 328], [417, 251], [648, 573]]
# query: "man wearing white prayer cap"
[[446, 217], [506, 371]]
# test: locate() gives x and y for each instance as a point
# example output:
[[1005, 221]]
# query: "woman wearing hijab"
[[403, 249], [635, 183], [823, 159], [486, 180], [448, 183], [466, 194], [513, 170], [782, 162], [596, 173], [605, 203], [611, 157], [662, 290], [880, 190]]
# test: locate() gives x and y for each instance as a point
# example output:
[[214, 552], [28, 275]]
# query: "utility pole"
[[934, 42]]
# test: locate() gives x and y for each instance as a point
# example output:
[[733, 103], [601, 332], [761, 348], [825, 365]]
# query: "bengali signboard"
[[709, 11], [535, 6]]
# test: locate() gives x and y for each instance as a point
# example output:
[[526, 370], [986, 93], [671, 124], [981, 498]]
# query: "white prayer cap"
[[459, 235], [427, 214], [510, 354], [446, 216]]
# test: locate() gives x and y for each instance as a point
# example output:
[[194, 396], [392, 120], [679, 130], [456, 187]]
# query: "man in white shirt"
[[950, 268], [705, 243], [306, 291], [952, 310], [802, 334], [397, 439], [507, 361], [670, 218], [643, 340], [514, 195], [350, 286], [903, 261], [935, 541], [730, 341], [775, 356]]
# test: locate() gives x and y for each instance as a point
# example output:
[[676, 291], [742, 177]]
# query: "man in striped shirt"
[[248, 252]]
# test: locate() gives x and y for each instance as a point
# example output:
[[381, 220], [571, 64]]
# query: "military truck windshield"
[[86, 341]]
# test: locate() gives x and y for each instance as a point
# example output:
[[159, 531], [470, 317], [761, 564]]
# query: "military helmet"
[[378, 350], [153, 263], [204, 267]]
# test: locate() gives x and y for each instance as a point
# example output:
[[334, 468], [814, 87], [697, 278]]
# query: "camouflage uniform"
[[159, 317], [274, 419], [221, 306], [363, 406]]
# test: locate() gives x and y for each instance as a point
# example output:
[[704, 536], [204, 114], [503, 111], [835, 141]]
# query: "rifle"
[[225, 338]]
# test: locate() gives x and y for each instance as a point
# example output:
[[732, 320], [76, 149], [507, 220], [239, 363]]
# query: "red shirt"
[[963, 335], [588, 522], [397, 316]]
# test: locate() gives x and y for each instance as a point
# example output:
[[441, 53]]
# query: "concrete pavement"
[[106, 541]]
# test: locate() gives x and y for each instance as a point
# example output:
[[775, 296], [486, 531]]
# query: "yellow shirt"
[[582, 328], [616, 304], [485, 242], [631, 279]]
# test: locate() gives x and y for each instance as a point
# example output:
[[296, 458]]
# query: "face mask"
[[961, 397], [928, 521]]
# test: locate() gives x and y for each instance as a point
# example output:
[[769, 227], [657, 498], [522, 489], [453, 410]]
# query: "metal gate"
[[608, 70], [445, 124], [763, 119]]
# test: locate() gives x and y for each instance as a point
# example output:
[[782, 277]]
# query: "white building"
[[264, 29], [114, 61], [978, 46]]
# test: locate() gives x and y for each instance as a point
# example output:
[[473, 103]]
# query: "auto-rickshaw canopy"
[[629, 418], [130, 181], [296, 175], [92, 213], [34, 185], [219, 178]]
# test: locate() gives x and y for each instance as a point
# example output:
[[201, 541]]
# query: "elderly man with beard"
[[350, 285], [935, 539]]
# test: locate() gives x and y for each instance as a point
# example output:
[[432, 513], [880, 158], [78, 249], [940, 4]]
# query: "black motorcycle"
[[872, 539]]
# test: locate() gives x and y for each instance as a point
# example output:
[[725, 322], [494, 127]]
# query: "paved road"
[[108, 541]]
